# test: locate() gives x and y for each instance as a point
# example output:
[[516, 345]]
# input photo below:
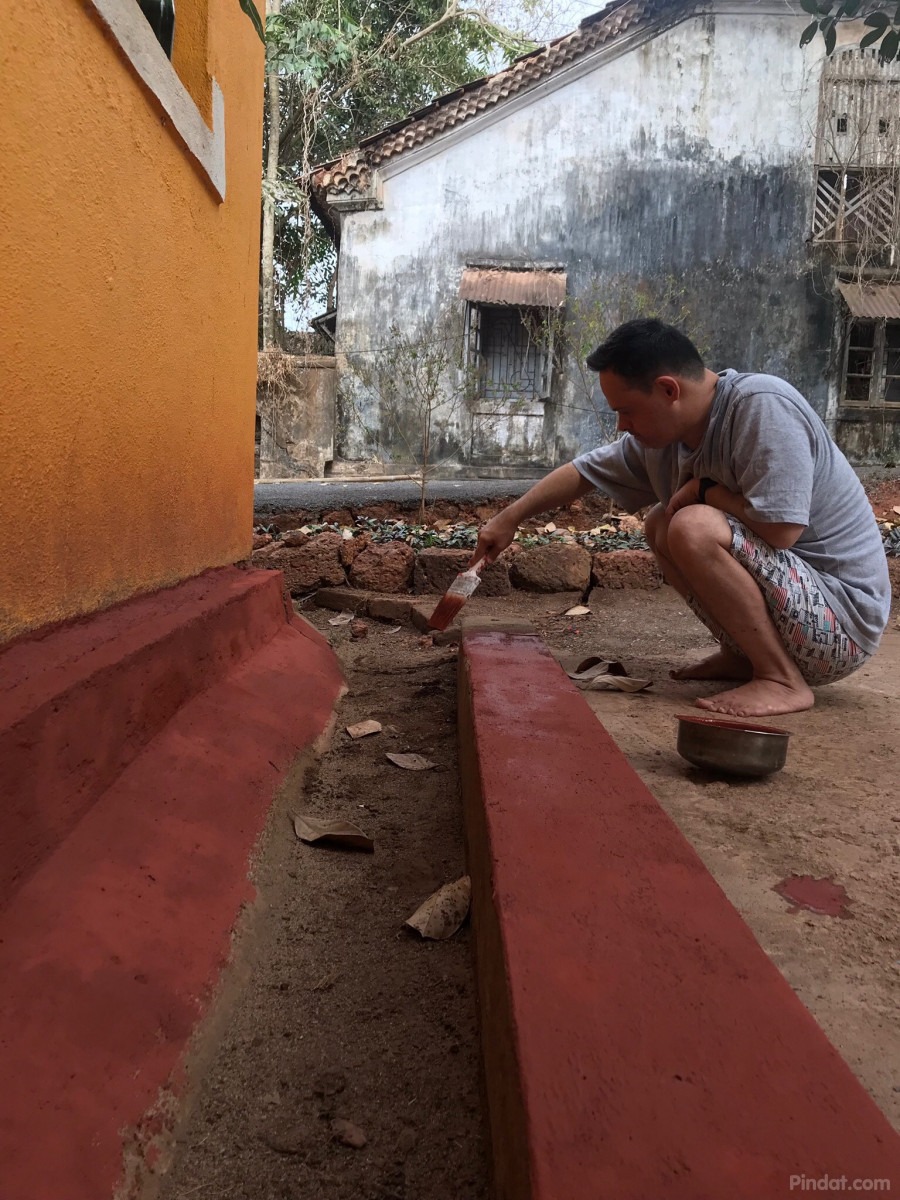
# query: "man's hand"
[[781, 535], [494, 537], [555, 490], [688, 494]]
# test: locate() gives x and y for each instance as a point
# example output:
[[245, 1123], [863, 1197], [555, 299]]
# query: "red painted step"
[[638, 1043], [110, 950]]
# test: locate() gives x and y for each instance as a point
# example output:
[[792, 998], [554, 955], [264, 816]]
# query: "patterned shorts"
[[808, 627]]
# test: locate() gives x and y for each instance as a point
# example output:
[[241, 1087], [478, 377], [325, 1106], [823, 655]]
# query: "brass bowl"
[[735, 747]]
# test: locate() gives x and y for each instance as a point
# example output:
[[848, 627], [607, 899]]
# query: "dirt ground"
[[333, 1011]]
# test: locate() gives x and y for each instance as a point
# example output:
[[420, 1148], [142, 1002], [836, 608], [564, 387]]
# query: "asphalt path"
[[332, 494], [318, 494]]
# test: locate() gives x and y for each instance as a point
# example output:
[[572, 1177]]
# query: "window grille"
[[857, 151], [871, 377], [511, 347], [856, 206]]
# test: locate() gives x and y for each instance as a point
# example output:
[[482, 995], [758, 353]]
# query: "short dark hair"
[[642, 350]]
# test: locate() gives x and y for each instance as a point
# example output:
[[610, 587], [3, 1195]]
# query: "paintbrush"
[[455, 596]]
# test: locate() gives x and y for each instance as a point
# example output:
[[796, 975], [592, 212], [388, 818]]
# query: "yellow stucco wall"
[[128, 317]]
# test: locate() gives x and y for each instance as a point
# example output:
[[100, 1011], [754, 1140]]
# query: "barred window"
[[871, 377], [511, 347]]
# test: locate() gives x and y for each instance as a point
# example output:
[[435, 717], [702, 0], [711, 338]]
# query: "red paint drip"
[[822, 896]]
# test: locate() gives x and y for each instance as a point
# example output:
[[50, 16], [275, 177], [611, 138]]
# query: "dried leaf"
[[340, 833], [444, 911], [347, 535], [614, 683], [896, 509], [580, 610], [396, 629], [343, 618], [363, 728], [597, 674], [549, 527], [410, 762]]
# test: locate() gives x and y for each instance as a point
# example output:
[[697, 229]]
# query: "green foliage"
[[884, 29], [347, 69], [464, 536]]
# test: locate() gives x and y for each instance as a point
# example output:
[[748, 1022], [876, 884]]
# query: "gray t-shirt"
[[764, 441]]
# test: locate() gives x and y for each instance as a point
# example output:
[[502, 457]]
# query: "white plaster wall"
[[540, 178]]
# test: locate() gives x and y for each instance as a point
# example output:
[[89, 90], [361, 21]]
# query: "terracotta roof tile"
[[350, 173]]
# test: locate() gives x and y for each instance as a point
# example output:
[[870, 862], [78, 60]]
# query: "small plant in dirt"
[[416, 391]]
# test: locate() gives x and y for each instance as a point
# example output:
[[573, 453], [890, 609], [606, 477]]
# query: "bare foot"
[[760, 698], [721, 665]]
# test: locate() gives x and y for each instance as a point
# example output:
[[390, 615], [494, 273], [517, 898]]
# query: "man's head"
[[654, 380]]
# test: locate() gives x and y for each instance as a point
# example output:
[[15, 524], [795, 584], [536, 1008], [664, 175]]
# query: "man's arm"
[[781, 535], [555, 490]]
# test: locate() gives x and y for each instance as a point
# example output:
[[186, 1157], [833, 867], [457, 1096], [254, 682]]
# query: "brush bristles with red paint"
[[455, 597]]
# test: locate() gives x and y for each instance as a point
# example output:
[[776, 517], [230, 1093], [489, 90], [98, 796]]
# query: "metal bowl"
[[731, 746]]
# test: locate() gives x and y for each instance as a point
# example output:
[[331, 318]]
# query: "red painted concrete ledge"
[[637, 1041], [158, 732]]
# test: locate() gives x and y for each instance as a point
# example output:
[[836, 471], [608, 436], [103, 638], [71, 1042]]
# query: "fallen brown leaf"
[[340, 833], [410, 762], [363, 728], [444, 911]]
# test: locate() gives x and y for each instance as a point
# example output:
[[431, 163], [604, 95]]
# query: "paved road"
[[325, 494], [270, 497]]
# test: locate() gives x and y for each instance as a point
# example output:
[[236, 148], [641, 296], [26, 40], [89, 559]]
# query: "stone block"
[[294, 537], [436, 568], [384, 568], [261, 557], [390, 608], [559, 568], [419, 614], [626, 569], [343, 599], [314, 565], [351, 548]]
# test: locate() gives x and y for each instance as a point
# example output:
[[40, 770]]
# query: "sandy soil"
[[335, 1011], [332, 1011]]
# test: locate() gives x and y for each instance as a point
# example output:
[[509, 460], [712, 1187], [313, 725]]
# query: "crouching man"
[[758, 520]]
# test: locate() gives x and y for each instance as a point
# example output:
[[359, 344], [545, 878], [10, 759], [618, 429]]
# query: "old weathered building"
[[689, 161]]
